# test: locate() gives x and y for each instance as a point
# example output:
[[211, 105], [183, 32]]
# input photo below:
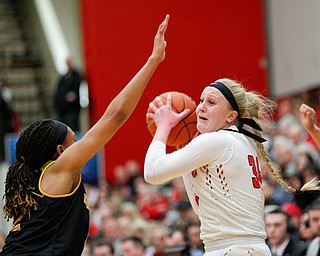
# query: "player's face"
[[212, 111]]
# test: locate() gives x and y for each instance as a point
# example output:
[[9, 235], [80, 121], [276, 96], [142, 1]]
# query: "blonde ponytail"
[[254, 105]]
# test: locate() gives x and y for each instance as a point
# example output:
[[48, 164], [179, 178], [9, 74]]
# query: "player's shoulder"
[[214, 139]]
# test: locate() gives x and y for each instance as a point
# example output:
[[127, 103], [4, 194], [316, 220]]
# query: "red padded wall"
[[206, 40]]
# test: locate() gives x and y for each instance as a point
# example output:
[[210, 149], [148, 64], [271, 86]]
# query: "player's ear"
[[60, 149], [232, 116]]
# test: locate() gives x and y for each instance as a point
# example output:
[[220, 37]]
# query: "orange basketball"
[[184, 131]]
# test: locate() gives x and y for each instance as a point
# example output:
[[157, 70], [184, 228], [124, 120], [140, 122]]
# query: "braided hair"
[[35, 146], [258, 107]]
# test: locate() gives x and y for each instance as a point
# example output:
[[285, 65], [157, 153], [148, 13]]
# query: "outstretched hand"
[[308, 117], [160, 44], [308, 120]]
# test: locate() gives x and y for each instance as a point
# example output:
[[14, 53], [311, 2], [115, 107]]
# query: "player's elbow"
[[151, 179], [120, 116], [118, 112]]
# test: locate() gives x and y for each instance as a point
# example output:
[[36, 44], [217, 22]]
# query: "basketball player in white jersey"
[[220, 167]]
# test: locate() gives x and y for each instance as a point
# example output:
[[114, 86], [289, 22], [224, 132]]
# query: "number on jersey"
[[257, 178]]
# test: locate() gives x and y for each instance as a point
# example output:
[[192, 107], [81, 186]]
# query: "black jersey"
[[59, 226]]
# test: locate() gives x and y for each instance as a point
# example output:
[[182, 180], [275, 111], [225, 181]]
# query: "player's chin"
[[201, 127]]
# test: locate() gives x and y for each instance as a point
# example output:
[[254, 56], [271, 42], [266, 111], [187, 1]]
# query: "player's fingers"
[[152, 107], [150, 115], [164, 25], [303, 108], [159, 101], [184, 113], [161, 31], [169, 100]]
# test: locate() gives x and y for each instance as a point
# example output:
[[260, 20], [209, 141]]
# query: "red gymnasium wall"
[[206, 40]]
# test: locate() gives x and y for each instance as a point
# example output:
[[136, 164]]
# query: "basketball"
[[185, 130]]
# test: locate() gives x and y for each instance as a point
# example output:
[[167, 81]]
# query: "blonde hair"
[[254, 105]]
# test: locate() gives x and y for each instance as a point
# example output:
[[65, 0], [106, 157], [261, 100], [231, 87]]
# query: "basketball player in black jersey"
[[44, 193]]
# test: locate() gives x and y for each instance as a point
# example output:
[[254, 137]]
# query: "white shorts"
[[258, 249]]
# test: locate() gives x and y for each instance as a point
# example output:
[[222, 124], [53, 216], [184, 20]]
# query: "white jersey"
[[222, 176]]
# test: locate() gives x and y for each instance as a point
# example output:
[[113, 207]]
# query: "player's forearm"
[[315, 135], [117, 112], [162, 133], [124, 104]]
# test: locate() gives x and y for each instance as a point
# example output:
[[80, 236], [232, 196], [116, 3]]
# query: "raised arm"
[[308, 119], [68, 165]]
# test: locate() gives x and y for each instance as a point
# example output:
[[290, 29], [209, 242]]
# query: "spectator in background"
[[185, 216], [158, 237], [268, 187], [102, 248], [314, 222], [294, 212], [196, 247], [297, 133], [177, 238], [305, 232], [132, 246], [67, 97], [283, 154], [279, 234], [154, 204], [177, 192], [111, 233], [306, 158], [8, 118], [287, 118], [133, 170], [176, 244]]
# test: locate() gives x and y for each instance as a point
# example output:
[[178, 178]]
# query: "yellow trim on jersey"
[[86, 201], [16, 227], [43, 169], [16, 224]]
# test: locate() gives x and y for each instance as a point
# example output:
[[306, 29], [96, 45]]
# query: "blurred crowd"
[[130, 217]]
